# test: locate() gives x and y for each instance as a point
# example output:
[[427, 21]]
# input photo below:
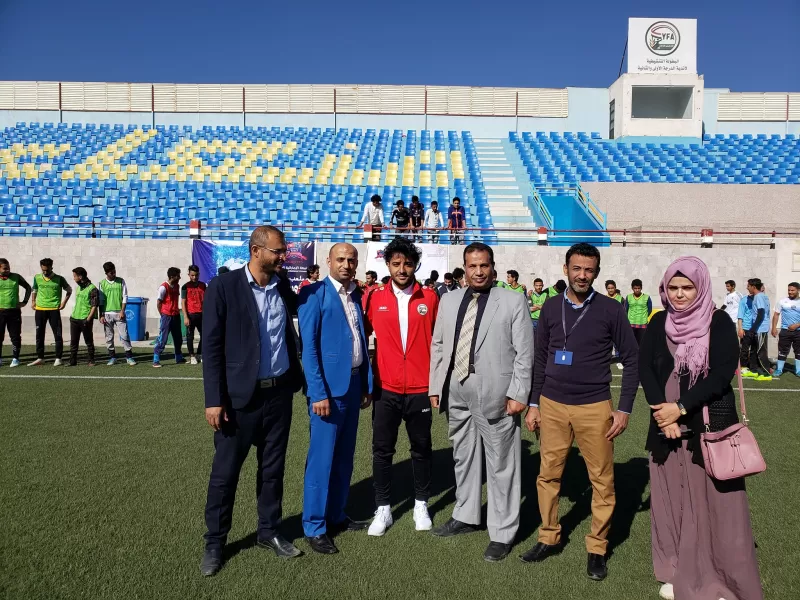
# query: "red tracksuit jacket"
[[397, 371]]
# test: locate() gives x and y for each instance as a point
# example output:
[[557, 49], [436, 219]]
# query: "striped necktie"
[[464, 345]]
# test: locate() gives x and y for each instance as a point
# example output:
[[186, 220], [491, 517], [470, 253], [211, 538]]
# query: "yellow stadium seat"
[[163, 176], [251, 178], [269, 178], [132, 169], [198, 177], [145, 176], [122, 176], [70, 174], [338, 180], [181, 177], [172, 169], [215, 177]]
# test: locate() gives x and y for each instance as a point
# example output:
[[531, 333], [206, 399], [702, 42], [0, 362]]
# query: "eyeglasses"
[[275, 251]]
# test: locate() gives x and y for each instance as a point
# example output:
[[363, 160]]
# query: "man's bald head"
[[342, 247], [342, 262], [261, 236]]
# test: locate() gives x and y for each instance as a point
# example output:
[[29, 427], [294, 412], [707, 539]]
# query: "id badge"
[[563, 357]]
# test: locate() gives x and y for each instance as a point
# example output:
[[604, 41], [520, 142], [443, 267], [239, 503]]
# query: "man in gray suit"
[[481, 371]]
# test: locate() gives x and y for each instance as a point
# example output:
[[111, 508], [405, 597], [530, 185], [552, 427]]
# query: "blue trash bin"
[[136, 315]]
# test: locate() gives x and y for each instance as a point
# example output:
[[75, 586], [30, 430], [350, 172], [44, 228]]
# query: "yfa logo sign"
[[662, 38]]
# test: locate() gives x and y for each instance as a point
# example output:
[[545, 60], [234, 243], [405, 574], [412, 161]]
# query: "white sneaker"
[[422, 520], [666, 592], [193, 361], [14, 363], [57, 362], [36, 363], [382, 521]]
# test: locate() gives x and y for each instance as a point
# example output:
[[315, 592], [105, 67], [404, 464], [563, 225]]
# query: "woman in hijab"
[[703, 546]]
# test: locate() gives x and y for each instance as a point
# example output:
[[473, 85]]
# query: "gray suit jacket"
[[503, 350]]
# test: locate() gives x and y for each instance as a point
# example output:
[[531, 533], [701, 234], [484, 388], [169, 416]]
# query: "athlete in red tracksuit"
[[402, 314]]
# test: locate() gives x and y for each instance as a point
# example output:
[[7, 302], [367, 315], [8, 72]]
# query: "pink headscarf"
[[689, 328]]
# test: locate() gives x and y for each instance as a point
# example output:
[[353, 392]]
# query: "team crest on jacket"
[[422, 309]]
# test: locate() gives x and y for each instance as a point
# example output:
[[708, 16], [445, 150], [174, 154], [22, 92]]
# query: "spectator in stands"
[[113, 300], [702, 539], [536, 299], [47, 303], [732, 299], [449, 285], [759, 332], [81, 322], [168, 304], [458, 277], [312, 276], [456, 221], [612, 291], [638, 306], [10, 309], [400, 217], [193, 293], [373, 215], [434, 222], [417, 212], [788, 312], [402, 316]]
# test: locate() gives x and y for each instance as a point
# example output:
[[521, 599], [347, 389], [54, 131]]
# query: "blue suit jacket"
[[327, 342], [231, 340]]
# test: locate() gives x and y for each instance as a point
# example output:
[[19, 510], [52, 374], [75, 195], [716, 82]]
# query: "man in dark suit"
[[250, 372], [339, 382]]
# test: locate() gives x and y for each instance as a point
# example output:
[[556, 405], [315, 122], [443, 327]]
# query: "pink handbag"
[[732, 452]]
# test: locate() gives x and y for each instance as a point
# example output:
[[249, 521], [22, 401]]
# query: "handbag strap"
[[745, 420]]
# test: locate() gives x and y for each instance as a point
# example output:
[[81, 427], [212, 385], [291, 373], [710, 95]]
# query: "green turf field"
[[103, 486]]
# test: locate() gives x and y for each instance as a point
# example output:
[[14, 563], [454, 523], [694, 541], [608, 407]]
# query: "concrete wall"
[[143, 263], [677, 205]]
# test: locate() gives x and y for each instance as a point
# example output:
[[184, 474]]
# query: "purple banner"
[[210, 256]]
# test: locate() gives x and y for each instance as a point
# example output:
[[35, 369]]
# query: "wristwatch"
[[683, 410]]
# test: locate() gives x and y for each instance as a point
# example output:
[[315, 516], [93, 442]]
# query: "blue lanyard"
[[564, 319]]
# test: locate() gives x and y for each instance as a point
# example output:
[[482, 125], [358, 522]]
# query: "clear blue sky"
[[744, 45]]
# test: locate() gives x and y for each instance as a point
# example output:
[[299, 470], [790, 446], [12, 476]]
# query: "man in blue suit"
[[339, 382], [250, 373]]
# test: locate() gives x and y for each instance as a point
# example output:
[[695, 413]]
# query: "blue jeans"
[[169, 325]]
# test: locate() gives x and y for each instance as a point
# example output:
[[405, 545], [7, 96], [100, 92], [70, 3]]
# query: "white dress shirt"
[[350, 309], [433, 220], [403, 298], [373, 215]]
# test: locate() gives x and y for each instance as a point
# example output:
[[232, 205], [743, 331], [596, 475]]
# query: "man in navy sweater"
[[571, 399]]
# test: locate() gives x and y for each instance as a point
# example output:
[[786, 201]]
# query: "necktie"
[[464, 345]]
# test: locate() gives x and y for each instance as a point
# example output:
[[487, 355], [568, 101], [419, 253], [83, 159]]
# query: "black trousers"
[[11, 319], [759, 359], [78, 327], [195, 322], [638, 333], [387, 413], [52, 317], [263, 423], [744, 349], [787, 341]]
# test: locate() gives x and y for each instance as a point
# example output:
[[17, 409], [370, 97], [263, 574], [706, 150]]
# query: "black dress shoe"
[[496, 551], [212, 562], [454, 527], [322, 544], [540, 551], [347, 525], [282, 547], [596, 567]]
